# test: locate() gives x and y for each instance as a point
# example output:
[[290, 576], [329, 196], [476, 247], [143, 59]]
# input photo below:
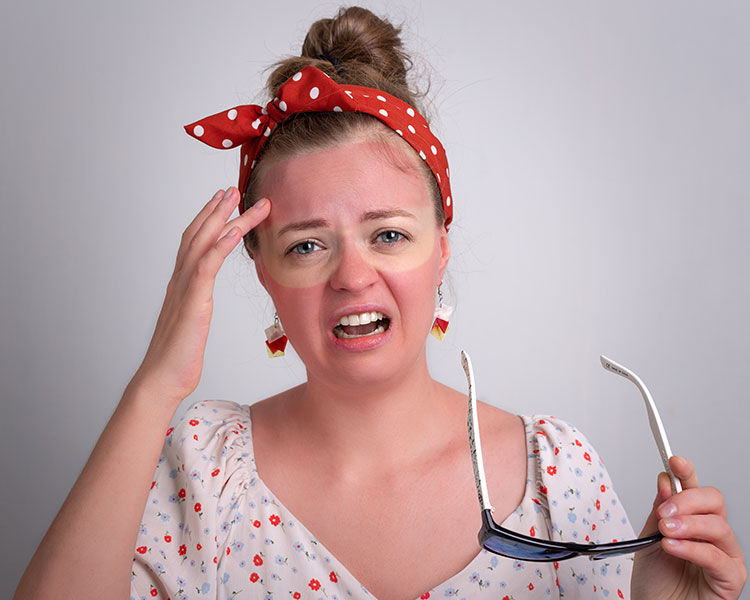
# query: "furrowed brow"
[[375, 215], [303, 225]]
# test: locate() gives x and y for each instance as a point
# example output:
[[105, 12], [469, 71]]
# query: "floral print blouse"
[[212, 529]]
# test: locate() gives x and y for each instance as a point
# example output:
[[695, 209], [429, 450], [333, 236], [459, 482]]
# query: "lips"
[[361, 324]]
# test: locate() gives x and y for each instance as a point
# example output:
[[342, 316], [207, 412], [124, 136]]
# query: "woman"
[[359, 481]]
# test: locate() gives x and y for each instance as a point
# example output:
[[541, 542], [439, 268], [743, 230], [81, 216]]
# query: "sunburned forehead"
[[348, 179]]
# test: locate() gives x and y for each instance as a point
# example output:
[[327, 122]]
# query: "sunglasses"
[[511, 544]]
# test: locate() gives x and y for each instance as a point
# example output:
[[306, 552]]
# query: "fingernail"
[[261, 202], [227, 194], [672, 542], [672, 524], [667, 510]]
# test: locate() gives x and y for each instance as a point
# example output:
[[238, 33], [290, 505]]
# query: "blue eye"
[[305, 247], [390, 236]]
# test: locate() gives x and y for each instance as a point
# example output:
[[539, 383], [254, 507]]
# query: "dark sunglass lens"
[[521, 551]]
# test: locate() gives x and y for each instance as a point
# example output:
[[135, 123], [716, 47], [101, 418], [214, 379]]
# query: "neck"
[[373, 428]]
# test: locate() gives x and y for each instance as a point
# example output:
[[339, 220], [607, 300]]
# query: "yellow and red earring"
[[443, 313], [275, 338]]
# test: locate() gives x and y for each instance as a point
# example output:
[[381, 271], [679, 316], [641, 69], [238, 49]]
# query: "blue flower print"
[[180, 582], [205, 588], [174, 499], [581, 579], [451, 592], [474, 577], [225, 578], [195, 474], [299, 547], [280, 560], [173, 474], [493, 562], [518, 565], [578, 472], [603, 569], [572, 517], [265, 501], [143, 530], [165, 517]]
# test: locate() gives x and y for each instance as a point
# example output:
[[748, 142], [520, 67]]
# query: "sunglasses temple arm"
[[654, 420], [474, 441]]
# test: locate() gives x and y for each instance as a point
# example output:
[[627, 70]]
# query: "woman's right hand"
[[174, 360]]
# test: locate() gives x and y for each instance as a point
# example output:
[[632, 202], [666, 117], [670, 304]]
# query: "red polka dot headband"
[[311, 90]]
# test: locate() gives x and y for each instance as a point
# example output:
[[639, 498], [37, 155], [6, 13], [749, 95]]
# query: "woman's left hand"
[[699, 557]]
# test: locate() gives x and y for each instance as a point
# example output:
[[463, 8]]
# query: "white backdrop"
[[599, 158]]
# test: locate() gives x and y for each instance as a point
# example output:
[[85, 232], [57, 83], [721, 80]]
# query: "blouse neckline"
[[470, 566]]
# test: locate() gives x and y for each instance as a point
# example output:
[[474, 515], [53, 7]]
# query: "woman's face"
[[352, 256]]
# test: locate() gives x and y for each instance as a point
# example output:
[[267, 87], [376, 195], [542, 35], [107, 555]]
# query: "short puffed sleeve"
[[579, 505], [203, 470]]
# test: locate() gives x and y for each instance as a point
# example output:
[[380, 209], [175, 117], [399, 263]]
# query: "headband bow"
[[311, 90]]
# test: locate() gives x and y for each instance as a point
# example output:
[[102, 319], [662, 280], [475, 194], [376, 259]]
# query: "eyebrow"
[[372, 215]]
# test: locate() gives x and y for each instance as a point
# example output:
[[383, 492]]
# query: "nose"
[[353, 272]]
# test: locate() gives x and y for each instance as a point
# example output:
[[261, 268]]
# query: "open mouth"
[[361, 325]]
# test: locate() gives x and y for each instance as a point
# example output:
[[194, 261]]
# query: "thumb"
[[663, 492]]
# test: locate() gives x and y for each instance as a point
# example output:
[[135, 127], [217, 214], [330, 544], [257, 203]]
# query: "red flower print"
[[532, 531], [154, 592], [214, 473], [182, 550], [167, 538], [194, 422], [578, 443], [195, 437], [314, 584], [216, 560], [557, 451], [296, 595], [153, 483], [256, 523], [556, 565], [198, 507], [257, 560], [254, 577], [531, 586], [587, 456], [587, 538], [198, 546], [275, 520], [427, 595], [593, 526], [228, 550], [170, 430], [141, 549], [598, 504], [543, 489], [603, 488], [542, 421], [551, 470], [620, 594], [333, 577], [506, 597], [181, 493]]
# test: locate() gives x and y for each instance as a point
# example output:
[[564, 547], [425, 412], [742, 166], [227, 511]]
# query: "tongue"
[[360, 329]]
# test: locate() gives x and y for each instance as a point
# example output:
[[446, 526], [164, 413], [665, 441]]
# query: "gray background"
[[599, 154]]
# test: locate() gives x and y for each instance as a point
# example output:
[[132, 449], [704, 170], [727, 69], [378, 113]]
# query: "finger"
[[201, 285], [190, 230], [663, 492], [251, 218], [695, 501], [684, 470], [718, 567], [208, 232], [702, 528]]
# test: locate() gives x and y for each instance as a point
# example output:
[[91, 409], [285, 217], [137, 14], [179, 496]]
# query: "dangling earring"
[[275, 338], [442, 316]]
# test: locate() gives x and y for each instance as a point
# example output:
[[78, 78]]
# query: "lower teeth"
[[342, 334]]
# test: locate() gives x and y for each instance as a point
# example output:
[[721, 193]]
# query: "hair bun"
[[356, 34], [355, 47]]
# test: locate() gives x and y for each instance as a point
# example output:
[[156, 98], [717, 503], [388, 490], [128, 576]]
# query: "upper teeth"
[[360, 319]]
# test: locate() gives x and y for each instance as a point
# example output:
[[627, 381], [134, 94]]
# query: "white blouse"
[[212, 529]]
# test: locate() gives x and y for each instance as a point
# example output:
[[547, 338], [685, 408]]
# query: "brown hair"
[[365, 50]]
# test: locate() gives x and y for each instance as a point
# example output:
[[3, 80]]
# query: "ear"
[[260, 269], [445, 251]]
